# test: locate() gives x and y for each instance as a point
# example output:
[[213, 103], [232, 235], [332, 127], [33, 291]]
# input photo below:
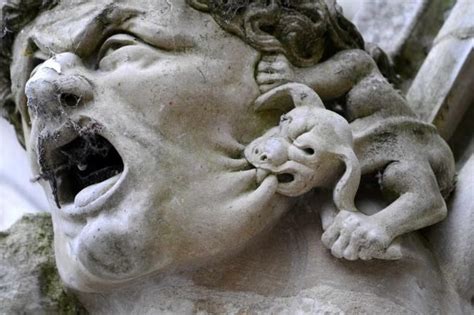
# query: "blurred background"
[[18, 195]]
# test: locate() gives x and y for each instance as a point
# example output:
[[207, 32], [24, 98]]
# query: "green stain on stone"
[[30, 279]]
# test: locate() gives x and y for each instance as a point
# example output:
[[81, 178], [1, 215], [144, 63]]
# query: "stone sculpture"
[[153, 127], [381, 146]]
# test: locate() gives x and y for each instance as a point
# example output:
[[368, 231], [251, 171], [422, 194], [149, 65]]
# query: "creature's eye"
[[285, 119], [114, 43]]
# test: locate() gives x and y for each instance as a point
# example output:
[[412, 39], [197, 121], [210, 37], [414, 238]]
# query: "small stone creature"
[[310, 42], [306, 151]]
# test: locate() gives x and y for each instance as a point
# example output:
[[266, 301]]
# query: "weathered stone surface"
[[289, 272], [442, 90], [206, 156], [452, 239], [29, 281]]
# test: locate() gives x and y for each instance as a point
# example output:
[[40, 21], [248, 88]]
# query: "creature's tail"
[[346, 189]]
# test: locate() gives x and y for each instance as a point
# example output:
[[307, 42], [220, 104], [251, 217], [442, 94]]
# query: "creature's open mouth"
[[285, 178], [85, 169]]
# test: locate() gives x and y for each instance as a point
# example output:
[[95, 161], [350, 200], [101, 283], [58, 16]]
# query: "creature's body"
[[398, 140], [415, 164]]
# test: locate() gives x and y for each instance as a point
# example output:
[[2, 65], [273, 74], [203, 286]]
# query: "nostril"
[[69, 100], [264, 157], [309, 151]]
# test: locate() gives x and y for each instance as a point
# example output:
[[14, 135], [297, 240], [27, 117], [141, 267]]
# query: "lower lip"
[[93, 192], [91, 199]]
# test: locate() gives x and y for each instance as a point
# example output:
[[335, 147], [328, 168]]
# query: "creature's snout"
[[267, 152]]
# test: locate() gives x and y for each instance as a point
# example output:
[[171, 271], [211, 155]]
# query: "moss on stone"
[[52, 287], [31, 280]]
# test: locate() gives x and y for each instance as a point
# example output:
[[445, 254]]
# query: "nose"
[[271, 152], [56, 87]]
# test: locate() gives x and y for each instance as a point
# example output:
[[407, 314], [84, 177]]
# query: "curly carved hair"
[[305, 31], [15, 14]]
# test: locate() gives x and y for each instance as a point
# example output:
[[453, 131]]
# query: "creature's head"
[[308, 147]]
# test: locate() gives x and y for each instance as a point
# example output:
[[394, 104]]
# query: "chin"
[[97, 262], [110, 256]]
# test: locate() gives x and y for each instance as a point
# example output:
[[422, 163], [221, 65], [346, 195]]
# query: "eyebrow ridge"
[[160, 37], [112, 15]]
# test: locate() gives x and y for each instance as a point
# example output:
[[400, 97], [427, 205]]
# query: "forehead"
[[77, 25]]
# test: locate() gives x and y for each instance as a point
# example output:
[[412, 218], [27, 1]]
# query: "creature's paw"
[[272, 71], [357, 236]]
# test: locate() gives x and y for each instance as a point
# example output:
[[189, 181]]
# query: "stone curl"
[[305, 31], [15, 14]]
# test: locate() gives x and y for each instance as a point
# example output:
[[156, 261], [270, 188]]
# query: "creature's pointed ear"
[[201, 5], [288, 96], [346, 188]]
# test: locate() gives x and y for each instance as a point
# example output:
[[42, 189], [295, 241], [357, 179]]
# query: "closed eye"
[[38, 58], [116, 42]]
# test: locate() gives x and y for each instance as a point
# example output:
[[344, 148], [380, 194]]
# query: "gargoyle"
[[306, 150]]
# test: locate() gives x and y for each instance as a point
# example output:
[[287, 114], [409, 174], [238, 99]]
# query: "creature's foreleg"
[[418, 200], [417, 203]]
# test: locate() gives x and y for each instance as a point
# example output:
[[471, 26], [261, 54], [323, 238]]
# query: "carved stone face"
[[278, 152], [301, 151], [139, 121]]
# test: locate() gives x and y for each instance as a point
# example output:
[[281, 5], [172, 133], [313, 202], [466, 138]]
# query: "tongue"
[[91, 193]]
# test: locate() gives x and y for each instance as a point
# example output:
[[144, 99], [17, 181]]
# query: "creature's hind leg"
[[418, 202]]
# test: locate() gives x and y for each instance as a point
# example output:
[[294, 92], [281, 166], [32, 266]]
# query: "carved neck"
[[286, 268], [274, 265]]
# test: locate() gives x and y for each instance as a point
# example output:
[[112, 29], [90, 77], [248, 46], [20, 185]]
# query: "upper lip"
[[75, 156]]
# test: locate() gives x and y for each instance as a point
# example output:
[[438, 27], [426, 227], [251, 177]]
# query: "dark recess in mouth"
[[285, 178], [87, 160]]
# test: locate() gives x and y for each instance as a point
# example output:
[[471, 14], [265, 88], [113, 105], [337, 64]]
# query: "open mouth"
[[285, 178], [84, 169]]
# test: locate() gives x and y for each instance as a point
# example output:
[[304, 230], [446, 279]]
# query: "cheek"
[[163, 83], [219, 215], [196, 92]]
